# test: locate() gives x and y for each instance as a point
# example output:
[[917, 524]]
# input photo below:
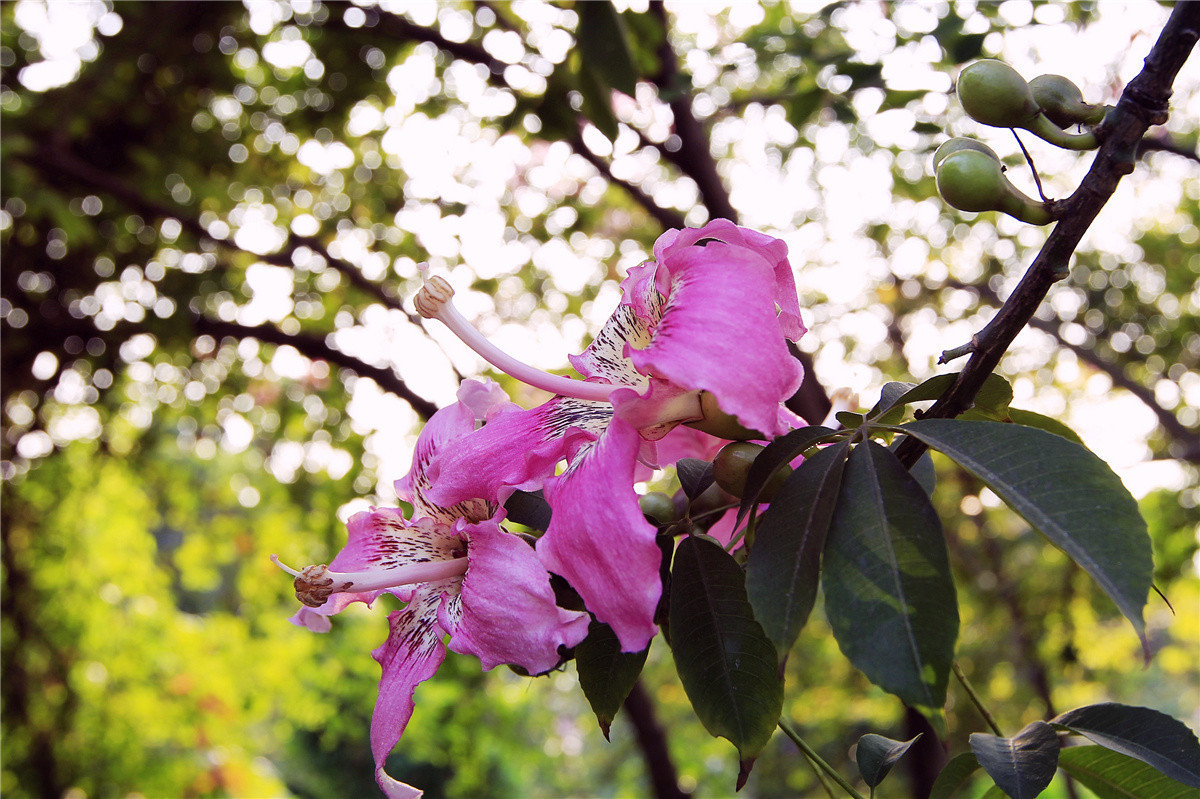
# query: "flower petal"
[[444, 428], [605, 359], [598, 538], [719, 333], [379, 539], [515, 450], [411, 654], [506, 612], [773, 250]]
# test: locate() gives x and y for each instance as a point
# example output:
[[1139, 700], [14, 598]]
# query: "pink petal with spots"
[[513, 451], [507, 612], [411, 655], [719, 333], [598, 539]]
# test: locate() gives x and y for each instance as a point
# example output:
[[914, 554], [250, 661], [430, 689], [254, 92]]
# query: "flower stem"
[[983, 711], [812, 755]]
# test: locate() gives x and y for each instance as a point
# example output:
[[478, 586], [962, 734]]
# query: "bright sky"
[[836, 191]]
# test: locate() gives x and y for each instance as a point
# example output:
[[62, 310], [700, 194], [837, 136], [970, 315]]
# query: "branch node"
[[958, 352]]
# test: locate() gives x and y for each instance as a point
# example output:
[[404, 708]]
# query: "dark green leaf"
[[923, 470], [850, 420], [1065, 492], [1112, 775], [1022, 766], [954, 775], [606, 674], [1148, 735], [876, 755], [784, 449], [1031, 419], [604, 46], [726, 663], [890, 393], [597, 103], [528, 508], [889, 594], [784, 567], [695, 476]]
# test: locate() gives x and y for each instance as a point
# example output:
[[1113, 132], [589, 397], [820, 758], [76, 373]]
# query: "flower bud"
[[658, 506], [732, 465], [1062, 102], [970, 180], [994, 93], [960, 143]]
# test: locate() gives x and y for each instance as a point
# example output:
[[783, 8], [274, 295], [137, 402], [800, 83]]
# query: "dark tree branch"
[[56, 163], [1142, 104], [665, 217], [652, 741], [1185, 440], [1165, 144], [317, 348], [693, 157]]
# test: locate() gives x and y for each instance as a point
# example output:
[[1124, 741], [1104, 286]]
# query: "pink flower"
[[705, 323], [459, 572]]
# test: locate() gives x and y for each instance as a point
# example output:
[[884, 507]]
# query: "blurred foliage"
[[207, 233]]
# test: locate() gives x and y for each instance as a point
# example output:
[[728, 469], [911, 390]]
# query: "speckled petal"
[[605, 359], [719, 332], [598, 539], [411, 655], [506, 612], [515, 450], [445, 427]]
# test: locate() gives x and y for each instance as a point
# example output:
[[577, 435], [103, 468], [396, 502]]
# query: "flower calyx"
[[993, 93], [973, 180]]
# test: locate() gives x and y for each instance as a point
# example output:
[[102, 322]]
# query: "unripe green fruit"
[[658, 506], [703, 509], [717, 422], [970, 180], [732, 465], [957, 144], [1062, 102], [995, 94]]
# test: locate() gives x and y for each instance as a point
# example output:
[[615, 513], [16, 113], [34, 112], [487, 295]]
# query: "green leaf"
[[694, 475], [1155, 738], [782, 450], [1050, 425], [726, 663], [876, 755], [993, 397], [954, 775], [1022, 766], [889, 594], [606, 674], [597, 103], [605, 47], [1065, 492], [1112, 775], [784, 567]]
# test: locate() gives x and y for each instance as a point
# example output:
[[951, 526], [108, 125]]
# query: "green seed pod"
[[658, 506], [1062, 102], [994, 93], [720, 424], [732, 465], [960, 143], [970, 180]]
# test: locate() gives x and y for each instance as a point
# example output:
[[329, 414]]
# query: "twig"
[[975, 700], [1142, 104], [816, 759], [1037, 179]]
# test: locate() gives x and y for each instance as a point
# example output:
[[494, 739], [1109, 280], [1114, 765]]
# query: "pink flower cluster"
[[702, 326]]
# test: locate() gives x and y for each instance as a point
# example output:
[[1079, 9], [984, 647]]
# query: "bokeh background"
[[212, 218]]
